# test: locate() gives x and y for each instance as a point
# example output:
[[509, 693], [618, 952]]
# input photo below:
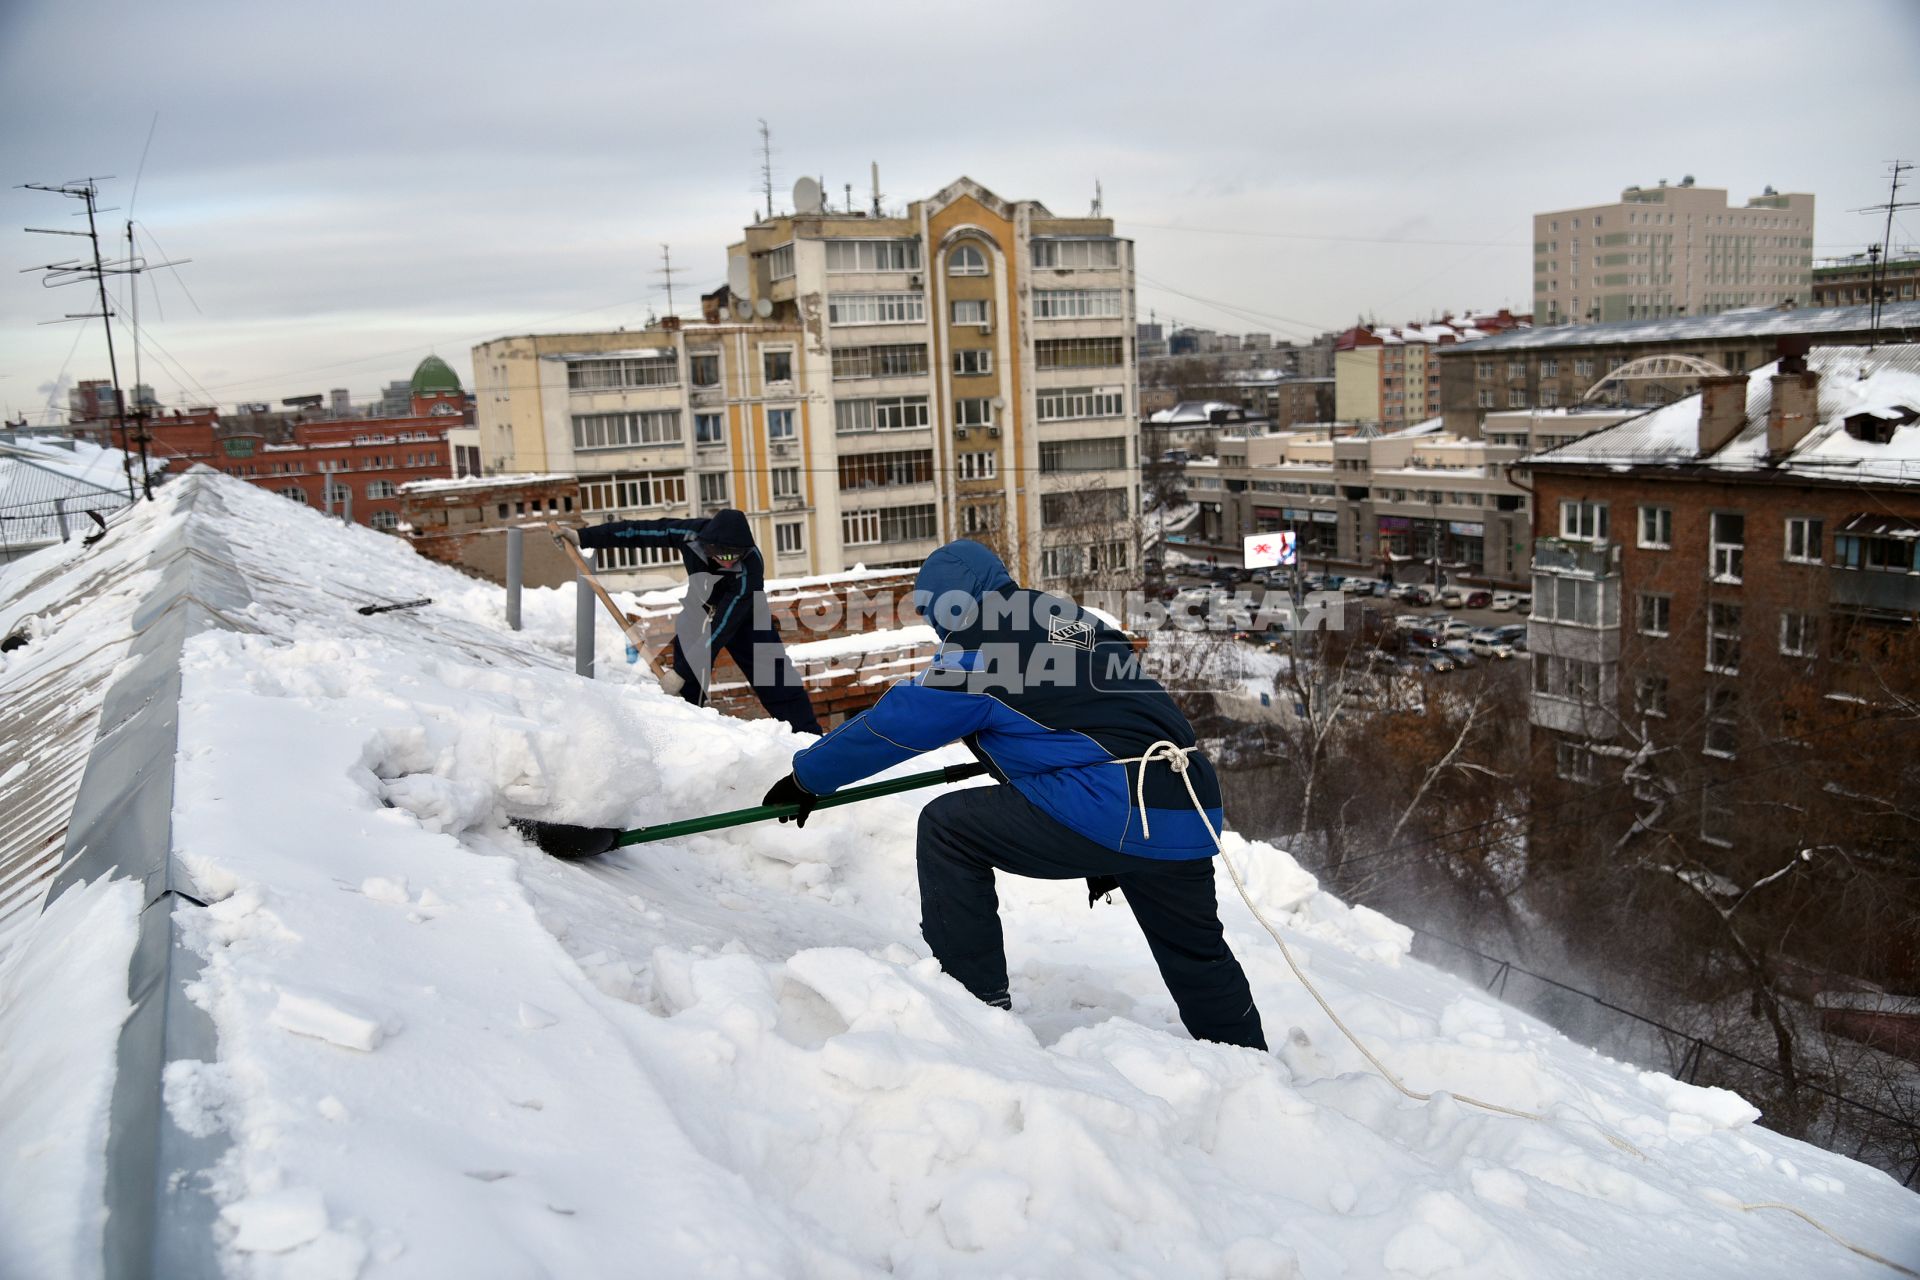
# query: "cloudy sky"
[[358, 184]]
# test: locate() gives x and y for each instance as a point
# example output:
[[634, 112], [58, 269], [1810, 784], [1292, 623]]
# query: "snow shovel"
[[563, 841], [635, 633]]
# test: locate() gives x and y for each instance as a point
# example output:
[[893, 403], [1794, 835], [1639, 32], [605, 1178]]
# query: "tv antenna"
[[666, 273], [1880, 255], [766, 166]]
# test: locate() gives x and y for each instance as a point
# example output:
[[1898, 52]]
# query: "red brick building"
[[1725, 578], [464, 522]]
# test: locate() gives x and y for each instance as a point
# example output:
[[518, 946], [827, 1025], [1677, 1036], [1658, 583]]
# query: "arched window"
[[966, 261], [384, 520], [294, 492]]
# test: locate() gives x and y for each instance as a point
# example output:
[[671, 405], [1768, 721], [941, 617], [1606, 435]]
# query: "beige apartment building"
[[1672, 251], [1390, 504], [1391, 376], [864, 388]]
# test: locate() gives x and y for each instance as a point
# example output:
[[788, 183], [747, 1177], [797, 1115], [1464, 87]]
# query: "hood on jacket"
[[953, 579], [726, 528]]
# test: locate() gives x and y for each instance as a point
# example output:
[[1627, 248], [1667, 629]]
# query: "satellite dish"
[[763, 308], [806, 196], [742, 308], [739, 282], [999, 402]]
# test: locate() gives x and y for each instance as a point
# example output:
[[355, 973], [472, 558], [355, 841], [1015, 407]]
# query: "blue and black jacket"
[[724, 596], [1047, 696]]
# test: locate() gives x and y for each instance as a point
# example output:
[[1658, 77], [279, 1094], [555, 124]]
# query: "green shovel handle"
[[763, 812]]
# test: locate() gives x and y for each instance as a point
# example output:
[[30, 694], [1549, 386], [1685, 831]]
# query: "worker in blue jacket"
[[1099, 778], [725, 608]]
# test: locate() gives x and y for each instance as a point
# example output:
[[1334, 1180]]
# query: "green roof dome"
[[434, 375]]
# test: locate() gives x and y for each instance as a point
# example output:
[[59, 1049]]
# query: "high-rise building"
[[1392, 376], [1672, 251], [864, 388]]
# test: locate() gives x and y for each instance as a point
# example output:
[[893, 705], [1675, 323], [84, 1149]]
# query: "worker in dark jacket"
[[726, 608], [1099, 777]]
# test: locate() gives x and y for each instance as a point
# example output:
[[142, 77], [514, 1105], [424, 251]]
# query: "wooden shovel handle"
[[634, 631]]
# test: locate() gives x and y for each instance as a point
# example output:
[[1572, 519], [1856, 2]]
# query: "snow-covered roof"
[[430, 1050], [1195, 413], [1895, 317], [36, 473], [1881, 381], [482, 482], [627, 353]]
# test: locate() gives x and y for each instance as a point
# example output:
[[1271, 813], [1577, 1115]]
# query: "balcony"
[[1874, 590], [1584, 559]]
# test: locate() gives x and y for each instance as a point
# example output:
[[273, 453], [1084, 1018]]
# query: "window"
[[1105, 454], [972, 363], [900, 360], [973, 411], [1723, 638], [626, 430], [1058, 404], [1516, 399], [1558, 677], [1483, 368], [883, 413], [1096, 506], [1078, 304], [777, 366], [380, 488], [634, 489], [972, 311], [1650, 695], [977, 466], [1516, 368], [880, 470], [876, 308], [709, 428], [789, 538], [889, 524], [1656, 528], [1574, 762], [1549, 397], [1080, 353], [1549, 368], [385, 521], [873, 255], [1583, 521], [1799, 635], [713, 488], [1728, 544], [295, 493], [1076, 255], [1805, 543], [1716, 816], [780, 262], [785, 482], [1583, 368], [1656, 612], [1486, 398], [655, 369], [983, 517], [704, 369], [1881, 555], [779, 425], [1722, 736], [966, 261]]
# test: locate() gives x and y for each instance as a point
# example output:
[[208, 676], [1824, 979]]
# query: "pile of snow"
[[441, 1053]]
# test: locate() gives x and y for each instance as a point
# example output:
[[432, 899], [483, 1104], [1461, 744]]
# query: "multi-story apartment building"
[[1400, 504], [1672, 251], [864, 388], [1556, 367], [1850, 282], [1391, 376], [1718, 574]]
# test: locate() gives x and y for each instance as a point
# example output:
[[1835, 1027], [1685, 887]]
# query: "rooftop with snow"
[[282, 995]]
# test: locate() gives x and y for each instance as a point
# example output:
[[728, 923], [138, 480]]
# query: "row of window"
[[1803, 540], [624, 373], [1799, 632], [846, 256], [889, 524], [1075, 561]]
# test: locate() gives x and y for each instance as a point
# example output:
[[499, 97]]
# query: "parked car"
[[1479, 599], [1523, 603], [1436, 662], [1355, 586], [1502, 601], [1417, 596], [1457, 630], [1486, 643], [1510, 632], [1453, 597], [1419, 638], [1461, 652]]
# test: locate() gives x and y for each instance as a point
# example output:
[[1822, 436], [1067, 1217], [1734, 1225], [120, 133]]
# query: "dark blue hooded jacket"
[[725, 595], [1048, 696]]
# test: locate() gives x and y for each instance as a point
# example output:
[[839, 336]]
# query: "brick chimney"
[[1723, 411], [1795, 409]]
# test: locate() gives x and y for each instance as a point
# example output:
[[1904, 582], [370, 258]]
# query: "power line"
[[1320, 239]]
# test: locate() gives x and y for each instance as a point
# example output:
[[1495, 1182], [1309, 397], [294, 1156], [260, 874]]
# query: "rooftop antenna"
[[876, 188], [666, 273], [1097, 202], [849, 204], [766, 166], [1882, 253]]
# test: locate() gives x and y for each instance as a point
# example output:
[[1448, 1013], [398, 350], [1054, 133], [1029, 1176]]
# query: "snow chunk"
[[331, 1021], [276, 1221], [1706, 1108]]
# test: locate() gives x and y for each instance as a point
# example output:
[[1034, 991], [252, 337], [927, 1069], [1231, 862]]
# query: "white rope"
[[1174, 757]]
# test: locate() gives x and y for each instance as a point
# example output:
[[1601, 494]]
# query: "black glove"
[[1099, 887], [789, 791]]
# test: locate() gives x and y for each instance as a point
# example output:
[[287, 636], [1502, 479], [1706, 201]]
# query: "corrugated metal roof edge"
[[122, 826]]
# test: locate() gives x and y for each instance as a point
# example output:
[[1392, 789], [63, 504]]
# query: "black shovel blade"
[[563, 841]]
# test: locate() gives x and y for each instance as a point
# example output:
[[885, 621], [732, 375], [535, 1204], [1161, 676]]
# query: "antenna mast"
[[1882, 253], [666, 273], [766, 166]]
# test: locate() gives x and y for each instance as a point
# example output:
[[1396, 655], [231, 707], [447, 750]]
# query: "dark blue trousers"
[[763, 660], [967, 835]]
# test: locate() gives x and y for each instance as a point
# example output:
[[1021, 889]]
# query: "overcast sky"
[[358, 184]]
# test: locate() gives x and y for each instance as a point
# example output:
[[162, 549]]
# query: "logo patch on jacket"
[[1068, 631]]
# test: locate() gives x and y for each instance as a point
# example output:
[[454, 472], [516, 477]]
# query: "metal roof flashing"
[[122, 826]]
